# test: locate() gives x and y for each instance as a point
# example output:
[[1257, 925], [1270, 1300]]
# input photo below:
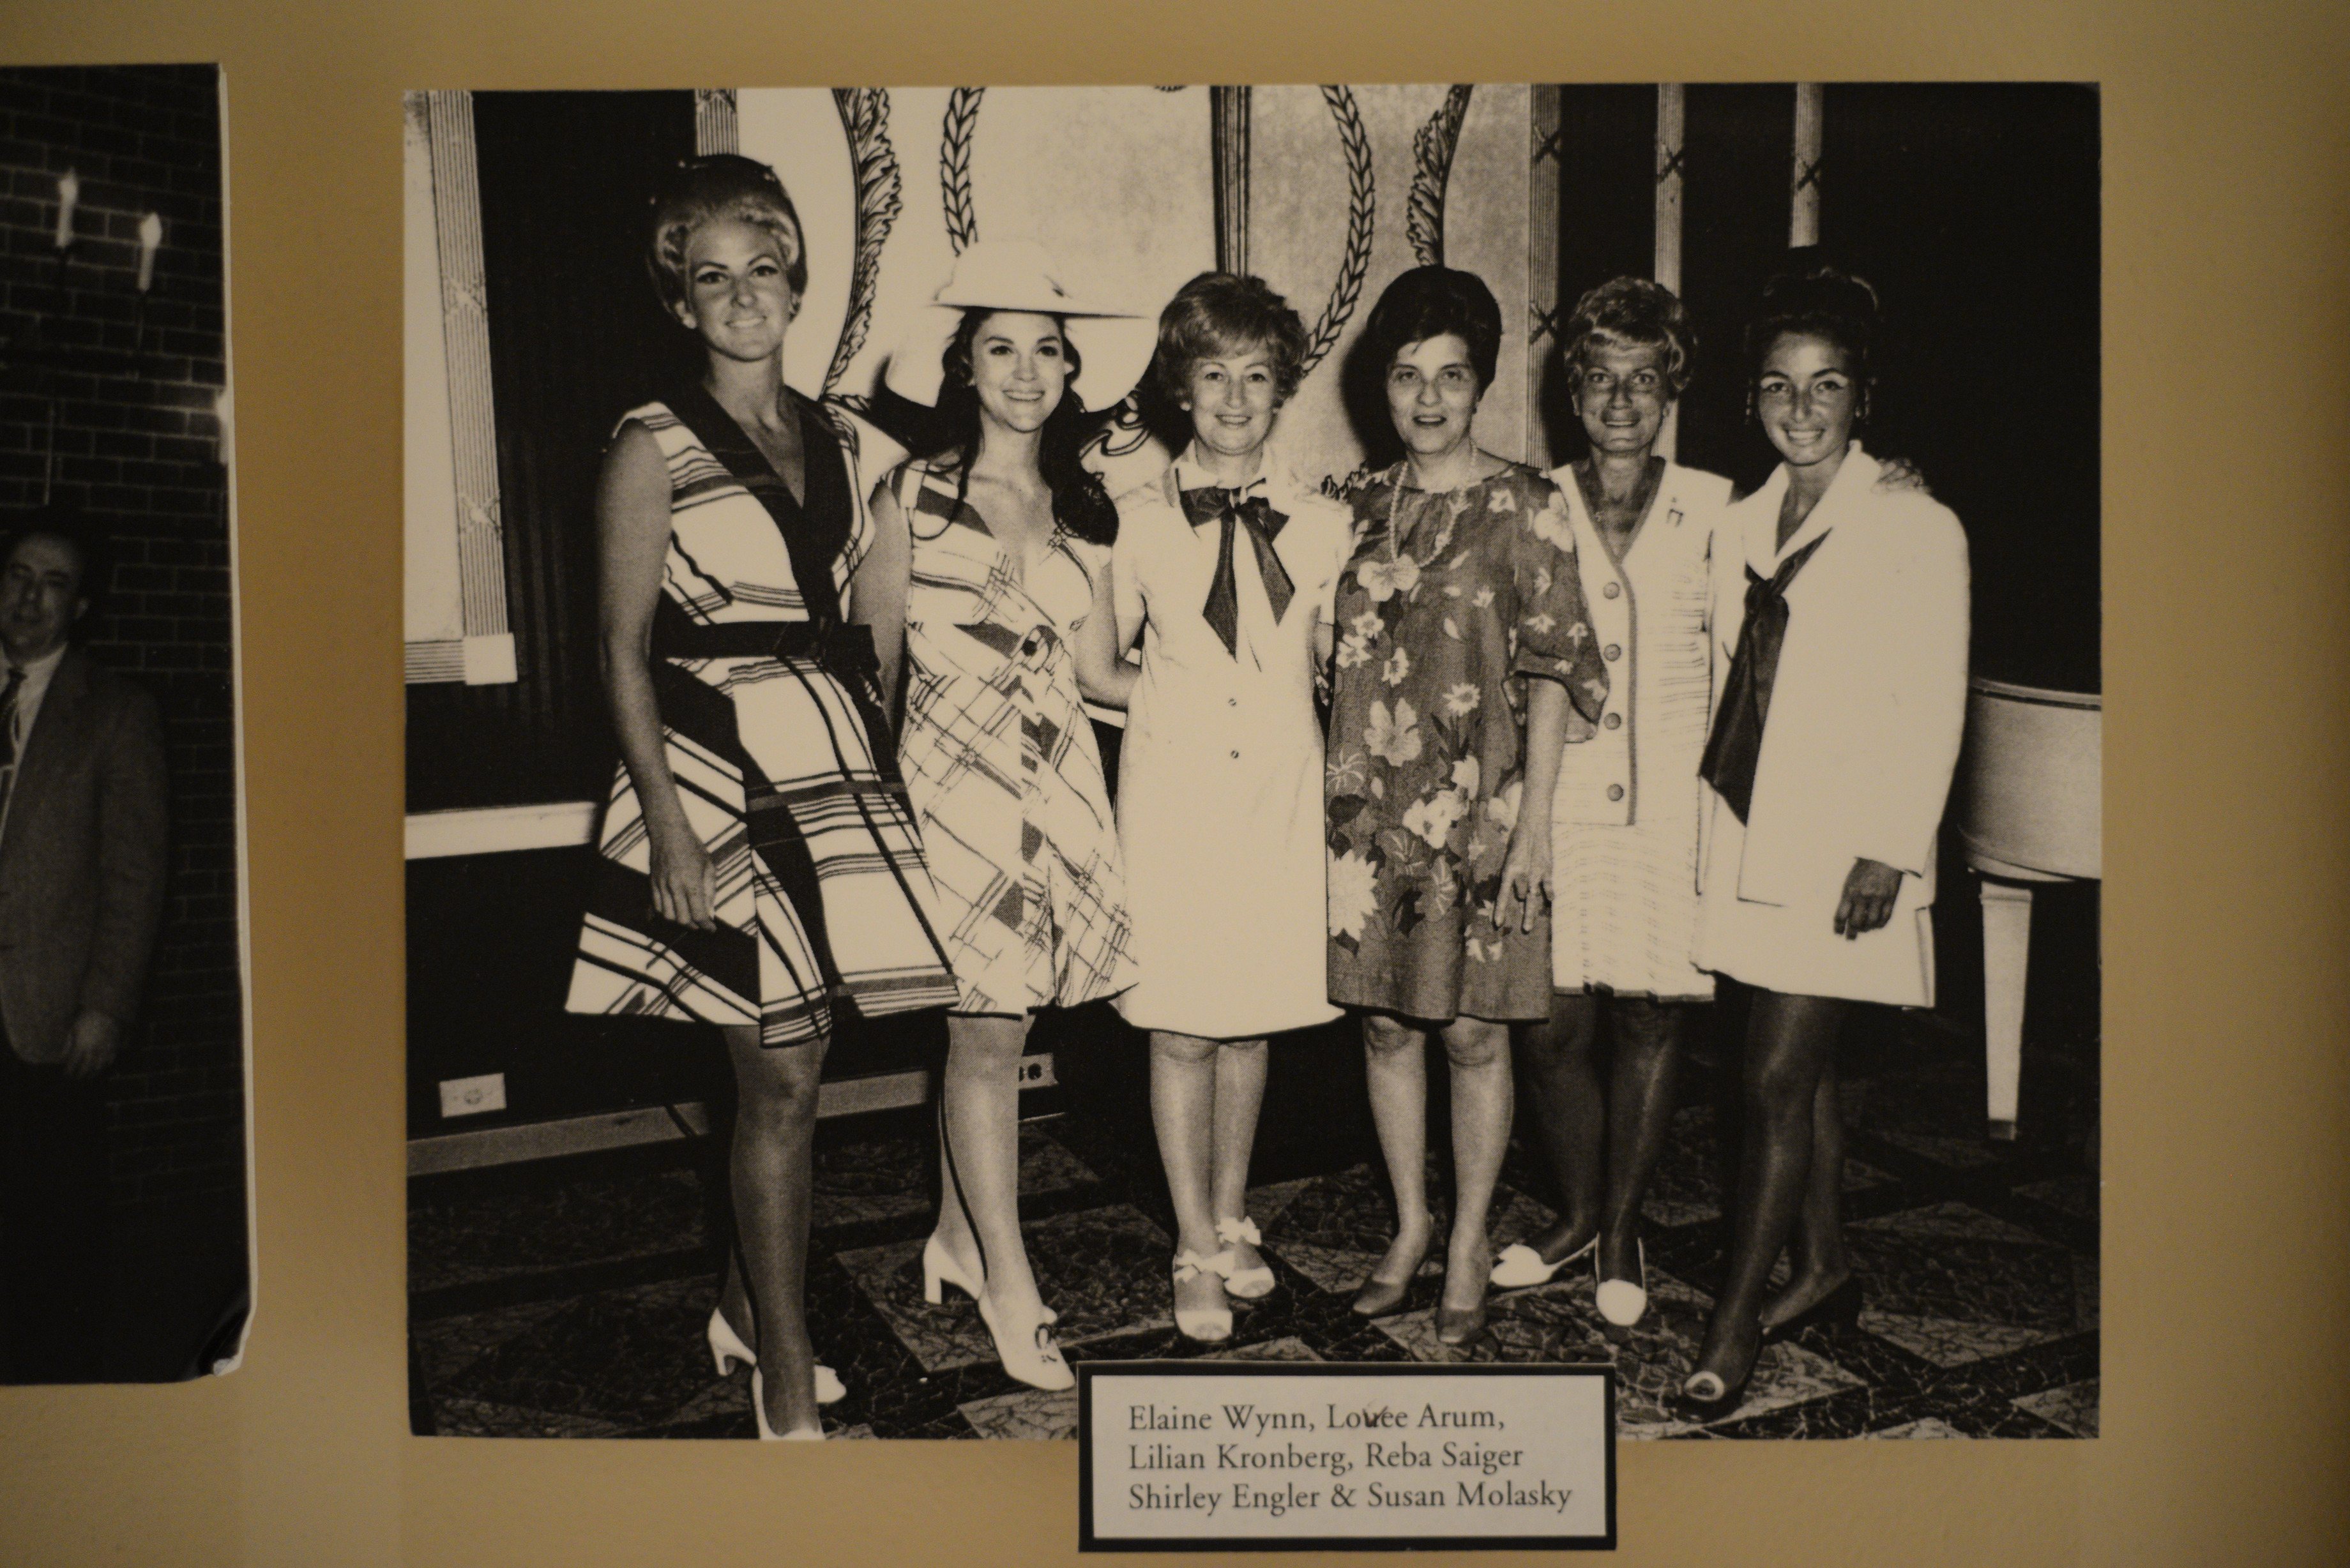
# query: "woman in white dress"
[[1225, 566], [1625, 817], [1841, 618]]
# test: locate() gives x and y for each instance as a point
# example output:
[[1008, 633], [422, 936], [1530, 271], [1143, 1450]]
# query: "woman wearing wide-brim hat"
[[1008, 538]]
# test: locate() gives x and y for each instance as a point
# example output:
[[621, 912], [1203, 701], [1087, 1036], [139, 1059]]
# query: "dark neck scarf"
[[1240, 512], [1735, 746], [816, 528]]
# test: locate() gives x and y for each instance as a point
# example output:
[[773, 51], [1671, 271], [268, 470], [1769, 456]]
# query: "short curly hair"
[[1218, 315], [1430, 302], [702, 191], [1633, 312]]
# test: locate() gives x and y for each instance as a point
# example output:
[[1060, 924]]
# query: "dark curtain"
[[576, 339]]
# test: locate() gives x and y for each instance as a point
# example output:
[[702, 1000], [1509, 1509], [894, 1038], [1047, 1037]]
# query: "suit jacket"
[[1870, 695], [81, 858]]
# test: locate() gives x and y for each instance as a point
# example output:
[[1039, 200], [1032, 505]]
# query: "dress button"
[[1614, 650], [1232, 702], [1615, 792], [1613, 720], [1612, 590]]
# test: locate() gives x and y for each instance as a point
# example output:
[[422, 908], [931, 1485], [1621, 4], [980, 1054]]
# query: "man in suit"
[[82, 827]]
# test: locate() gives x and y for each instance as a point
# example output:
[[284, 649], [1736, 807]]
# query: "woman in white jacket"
[[1841, 618]]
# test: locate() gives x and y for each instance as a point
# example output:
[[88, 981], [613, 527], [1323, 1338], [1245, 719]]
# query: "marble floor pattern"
[[567, 1298]]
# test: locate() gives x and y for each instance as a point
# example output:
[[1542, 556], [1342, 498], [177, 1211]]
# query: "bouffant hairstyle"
[[1222, 315], [1817, 300], [702, 191], [1631, 312], [1429, 302], [1080, 503]]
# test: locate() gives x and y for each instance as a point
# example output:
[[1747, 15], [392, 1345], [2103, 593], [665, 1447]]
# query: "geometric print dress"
[[1000, 761], [822, 896]]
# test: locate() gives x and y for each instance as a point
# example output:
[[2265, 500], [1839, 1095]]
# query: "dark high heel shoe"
[[1840, 1309], [1706, 1398], [1381, 1298], [1457, 1326]]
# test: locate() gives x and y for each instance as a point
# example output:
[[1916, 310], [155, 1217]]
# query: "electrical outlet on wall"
[[468, 1097]]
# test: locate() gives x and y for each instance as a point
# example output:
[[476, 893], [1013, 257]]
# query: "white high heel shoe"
[[768, 1434], [1519, 1265], [940, 1267], [1246, 1284], [1621, 1302], [1209, 1325], [1031, 1356], [726, 1348]]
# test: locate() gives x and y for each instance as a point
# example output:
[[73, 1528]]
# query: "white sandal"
[[1246, 1284], [1209, 1325]]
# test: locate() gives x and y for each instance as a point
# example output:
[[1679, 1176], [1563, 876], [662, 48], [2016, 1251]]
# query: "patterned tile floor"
[[567, 1298]]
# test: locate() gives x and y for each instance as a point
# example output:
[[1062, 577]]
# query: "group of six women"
[[1593, 739]]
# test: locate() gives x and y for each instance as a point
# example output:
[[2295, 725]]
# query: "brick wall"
[[129, 392]]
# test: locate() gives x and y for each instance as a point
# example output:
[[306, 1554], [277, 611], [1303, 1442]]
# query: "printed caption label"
[[1273, 1456]]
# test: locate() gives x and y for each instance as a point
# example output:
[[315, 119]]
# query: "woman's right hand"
[[685, 884]]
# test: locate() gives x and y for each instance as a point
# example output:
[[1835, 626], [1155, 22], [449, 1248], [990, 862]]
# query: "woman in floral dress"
[[1465, 662]]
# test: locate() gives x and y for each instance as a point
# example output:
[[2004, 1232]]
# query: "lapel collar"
[[1854, 476], [59, 716]]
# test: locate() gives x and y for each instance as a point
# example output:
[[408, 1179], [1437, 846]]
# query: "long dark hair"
[[1081, 503]]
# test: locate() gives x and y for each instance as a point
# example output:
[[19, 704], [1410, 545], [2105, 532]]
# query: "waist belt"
[[839, 645]]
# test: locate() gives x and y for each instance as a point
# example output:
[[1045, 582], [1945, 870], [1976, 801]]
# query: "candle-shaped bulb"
[[68, 197], [150, 239]]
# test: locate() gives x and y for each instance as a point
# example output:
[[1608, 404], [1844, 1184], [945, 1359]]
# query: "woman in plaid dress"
[[757, 863], [1010, 546]]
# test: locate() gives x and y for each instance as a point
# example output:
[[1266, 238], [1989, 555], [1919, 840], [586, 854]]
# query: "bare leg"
[[1639, 1111], [775, 1135], [1184, 1110], [1568, 1121], [979, 1213], [1240, 1095], [1396, 1065], [1817, 1260], [1478, 1053], [1788, 1043]]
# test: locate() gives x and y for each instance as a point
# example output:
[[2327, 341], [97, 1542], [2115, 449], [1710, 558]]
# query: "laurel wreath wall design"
[[1361, 211], [1433, 146], [954, 166], [865, 118]]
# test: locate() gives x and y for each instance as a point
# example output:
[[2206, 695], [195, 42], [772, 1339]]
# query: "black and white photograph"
[[1408, 724], [124, 1252]]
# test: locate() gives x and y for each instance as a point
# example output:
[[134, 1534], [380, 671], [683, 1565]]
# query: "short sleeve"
[[1553, 637]]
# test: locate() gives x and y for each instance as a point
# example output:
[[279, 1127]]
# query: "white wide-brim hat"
[[1113, 343]]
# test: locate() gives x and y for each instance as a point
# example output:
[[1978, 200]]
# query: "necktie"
[[1254, 516], [1735, 746], [8, 733]]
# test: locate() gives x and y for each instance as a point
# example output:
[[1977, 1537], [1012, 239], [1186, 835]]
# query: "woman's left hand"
[[1869, 891], [1526, 871]]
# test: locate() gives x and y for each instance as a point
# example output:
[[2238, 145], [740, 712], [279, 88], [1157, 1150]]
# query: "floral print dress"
[[1451, 602]]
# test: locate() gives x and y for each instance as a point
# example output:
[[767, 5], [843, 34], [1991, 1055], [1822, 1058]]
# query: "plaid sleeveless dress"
[[823, 898], [1000, 761]]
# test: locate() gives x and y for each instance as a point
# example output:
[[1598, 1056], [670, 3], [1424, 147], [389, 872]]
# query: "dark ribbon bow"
[[1253, 516], [1735, 745]]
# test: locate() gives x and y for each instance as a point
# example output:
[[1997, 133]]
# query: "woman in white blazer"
[[1841, 626]]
